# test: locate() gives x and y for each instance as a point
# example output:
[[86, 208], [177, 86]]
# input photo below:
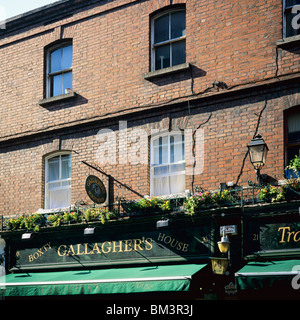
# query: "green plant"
[[14, 223], [165, 206], [294, 183], [192, 204], [97, 214], [28, 222], [295, 163], [223, 197], [207, 198], [32, 222], [55, 219], [272, 193]]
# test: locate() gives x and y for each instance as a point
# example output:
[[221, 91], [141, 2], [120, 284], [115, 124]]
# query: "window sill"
[[288, 41], [62, 97], [166, 71]]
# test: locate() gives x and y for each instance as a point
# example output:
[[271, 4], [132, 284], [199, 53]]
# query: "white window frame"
[[49, 75], [47, 190], [152, 156], [286, 9], [170, 41]]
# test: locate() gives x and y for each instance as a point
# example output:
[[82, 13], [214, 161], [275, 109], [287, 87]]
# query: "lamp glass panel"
[[257, 155]]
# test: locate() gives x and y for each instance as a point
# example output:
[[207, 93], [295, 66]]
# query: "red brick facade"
[[234, 43]]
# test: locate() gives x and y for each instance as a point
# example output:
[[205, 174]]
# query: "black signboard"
[[158, 245], [95, 189], [269, 236]]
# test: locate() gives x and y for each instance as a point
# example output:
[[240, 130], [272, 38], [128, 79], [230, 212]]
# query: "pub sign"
[[176, 244]]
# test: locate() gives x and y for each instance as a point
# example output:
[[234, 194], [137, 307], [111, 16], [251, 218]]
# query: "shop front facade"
[[123, 149]]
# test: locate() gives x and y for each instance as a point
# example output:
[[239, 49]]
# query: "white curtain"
[[168, 168], [58, 182]]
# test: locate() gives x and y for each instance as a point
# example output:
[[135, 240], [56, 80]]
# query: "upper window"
[[291, 18], [59, 70], [167, 164], [58, 181], [292, 120], [168, 39]]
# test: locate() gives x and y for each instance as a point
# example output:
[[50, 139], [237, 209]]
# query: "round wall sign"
[[95, 189]]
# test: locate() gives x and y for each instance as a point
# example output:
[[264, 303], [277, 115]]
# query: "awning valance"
[[102, 281], [258, 275]]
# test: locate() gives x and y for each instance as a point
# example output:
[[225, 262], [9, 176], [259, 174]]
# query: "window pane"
[[177, 167], [161, 186], [293, 122], [53, 185], [162, 57], [292, 152], [65, 166], [177, 184], [53, 169], [67, 53], [161, 29], [67, 78], [176, 148], [290, 31], [178, 24], [55, 61], [59, 198], [290, 3], [57, 85], [161, 170], [164, 150], [178, 52]]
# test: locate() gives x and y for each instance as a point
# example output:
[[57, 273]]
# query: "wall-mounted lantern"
[[258, 151], [219, 265]]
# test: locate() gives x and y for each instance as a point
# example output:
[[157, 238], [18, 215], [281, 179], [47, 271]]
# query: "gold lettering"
[[109, 248], [283, 233], [36, 255], [167, 240], [179, 246], [45, 246], [86, 248], [78, 250], [148, 242], [95, 248], [137, 243], [185, 247], [71, 251], [161, 237], [126, 245], [40, 252], [119, 246], [59, 252], [30, 258], [295, 236], [289, 235]]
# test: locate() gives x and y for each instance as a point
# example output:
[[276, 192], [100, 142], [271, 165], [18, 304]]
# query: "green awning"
[[258, 275], [103, 281]]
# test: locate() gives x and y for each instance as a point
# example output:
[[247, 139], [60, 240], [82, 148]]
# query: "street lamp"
[[219, 265], [258, 150], [224, 244]]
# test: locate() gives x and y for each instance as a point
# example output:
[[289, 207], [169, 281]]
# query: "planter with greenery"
[[207, 199], [292, 171], [147, 206], [272, 193]]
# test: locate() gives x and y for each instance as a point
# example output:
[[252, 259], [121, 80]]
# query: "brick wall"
[[230, 42], [228, 127]]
